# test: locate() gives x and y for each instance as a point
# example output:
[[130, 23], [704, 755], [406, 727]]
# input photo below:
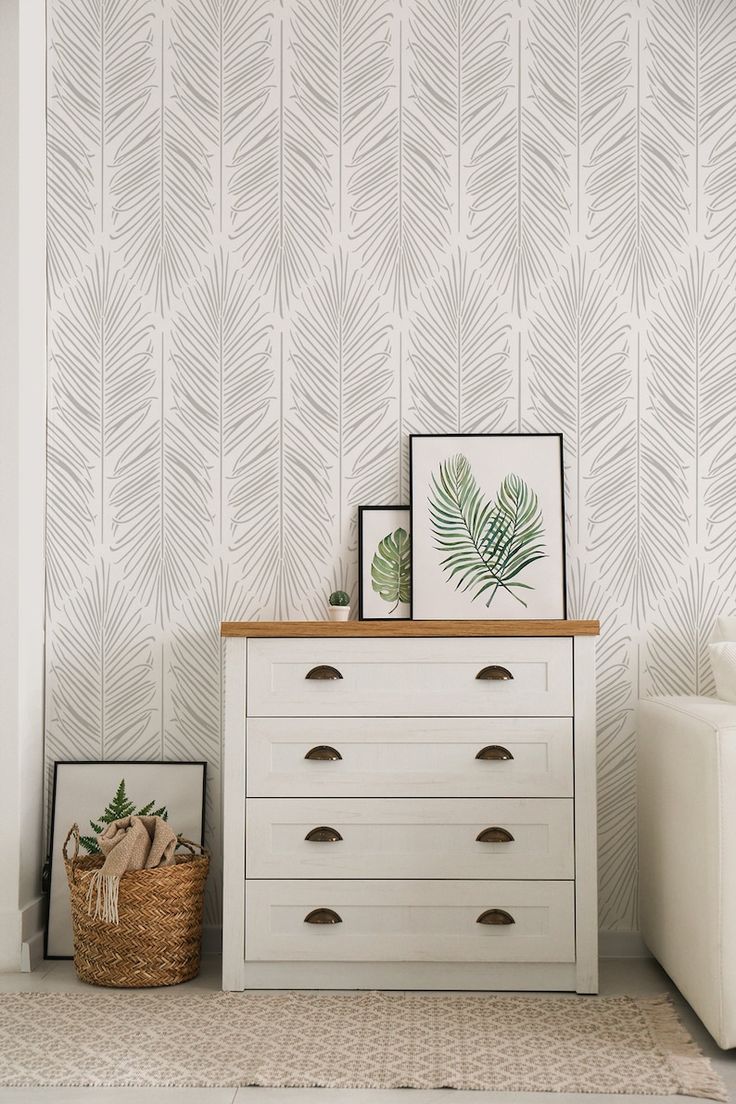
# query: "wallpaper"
[[284, 234]]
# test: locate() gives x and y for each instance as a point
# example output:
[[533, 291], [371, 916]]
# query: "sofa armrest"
[[713, 714], [687, 849]]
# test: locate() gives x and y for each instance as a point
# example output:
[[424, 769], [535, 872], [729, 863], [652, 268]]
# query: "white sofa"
[[687, 851]]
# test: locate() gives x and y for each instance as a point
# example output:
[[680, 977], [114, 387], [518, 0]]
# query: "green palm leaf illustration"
[[487, 544], [391, 566], [521, 542]]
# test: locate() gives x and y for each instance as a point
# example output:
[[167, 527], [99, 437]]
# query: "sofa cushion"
[[725, 629], [723, 662]]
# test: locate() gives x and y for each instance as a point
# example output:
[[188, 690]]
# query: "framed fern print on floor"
[[92, 794], [487, 525], [384, 563]]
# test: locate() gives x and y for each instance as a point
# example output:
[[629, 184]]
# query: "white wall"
[[9, 490], [22, 458]]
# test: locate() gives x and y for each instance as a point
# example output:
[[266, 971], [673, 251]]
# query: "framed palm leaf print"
[[487, 525], [384, 563]]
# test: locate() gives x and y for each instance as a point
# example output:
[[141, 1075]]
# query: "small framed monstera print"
[[487, 525], [384, 563]]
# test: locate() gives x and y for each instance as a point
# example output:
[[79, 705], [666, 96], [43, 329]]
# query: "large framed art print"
[[487, 526]]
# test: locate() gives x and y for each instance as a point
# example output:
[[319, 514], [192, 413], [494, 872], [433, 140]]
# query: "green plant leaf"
[[391, 568], [121, 806], [487, 544]]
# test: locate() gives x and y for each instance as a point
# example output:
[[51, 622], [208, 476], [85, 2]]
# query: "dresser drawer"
[[414, 838], [430, 921], [410, 757], [410, 678]]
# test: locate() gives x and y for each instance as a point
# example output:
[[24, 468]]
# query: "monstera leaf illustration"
[[487, 544], [390, 568]]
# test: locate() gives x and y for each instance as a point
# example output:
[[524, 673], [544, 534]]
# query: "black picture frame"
[[52, 822], [362, 510], [532, 436]]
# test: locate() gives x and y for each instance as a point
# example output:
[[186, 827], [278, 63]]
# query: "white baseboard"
[[31, 953], [9, 941], [622, 944], [21, 937], [31, 933]]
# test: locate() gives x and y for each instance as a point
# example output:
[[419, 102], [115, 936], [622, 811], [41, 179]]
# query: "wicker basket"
[[159, 936]]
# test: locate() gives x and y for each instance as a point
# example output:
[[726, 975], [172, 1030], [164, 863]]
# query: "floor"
[[633, 976]]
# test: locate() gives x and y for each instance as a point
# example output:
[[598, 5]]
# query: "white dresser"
[[410, 805]]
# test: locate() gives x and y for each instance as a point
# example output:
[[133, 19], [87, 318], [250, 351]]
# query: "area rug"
[[363, 1040]]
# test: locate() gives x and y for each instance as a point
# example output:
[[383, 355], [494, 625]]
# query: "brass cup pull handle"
[[322, 916], [323, 752], [323, 834], [495, 752], [494, 673], [324, 672], [495, 916], [494, 835]]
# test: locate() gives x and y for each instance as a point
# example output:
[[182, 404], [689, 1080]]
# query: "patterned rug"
[[366, 1040]]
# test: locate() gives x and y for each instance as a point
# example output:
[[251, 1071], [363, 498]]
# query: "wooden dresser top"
[[397, 628]]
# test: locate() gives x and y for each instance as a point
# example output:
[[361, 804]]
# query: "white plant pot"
[[339, 613]]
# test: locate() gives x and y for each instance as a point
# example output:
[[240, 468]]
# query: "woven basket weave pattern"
[[158, 939]]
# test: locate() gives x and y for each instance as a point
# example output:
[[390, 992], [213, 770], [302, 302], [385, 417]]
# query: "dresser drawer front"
[[417, 677], [429, 921], [410, 757], [414, 838]]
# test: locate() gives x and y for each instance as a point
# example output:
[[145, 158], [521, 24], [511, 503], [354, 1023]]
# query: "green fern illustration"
[[487, 544], [120, 806]]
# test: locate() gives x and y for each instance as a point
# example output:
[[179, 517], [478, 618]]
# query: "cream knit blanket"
[[131, 843]]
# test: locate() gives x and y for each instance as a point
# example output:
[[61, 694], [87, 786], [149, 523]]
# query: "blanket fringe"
[[102, 897], [691, 1070]]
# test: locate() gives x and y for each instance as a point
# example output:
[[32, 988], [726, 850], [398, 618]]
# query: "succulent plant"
[[339, 598]]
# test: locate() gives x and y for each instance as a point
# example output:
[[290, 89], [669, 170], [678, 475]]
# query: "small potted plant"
[[339, 605]]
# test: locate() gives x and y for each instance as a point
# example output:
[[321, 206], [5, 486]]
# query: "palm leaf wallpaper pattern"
[[458, 351], [101, 351], [280, 179], [460, 72], [103, 697], [692, 359], [616, 693], [342, 394], [284, 234], [580, 383], [519, 212]]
